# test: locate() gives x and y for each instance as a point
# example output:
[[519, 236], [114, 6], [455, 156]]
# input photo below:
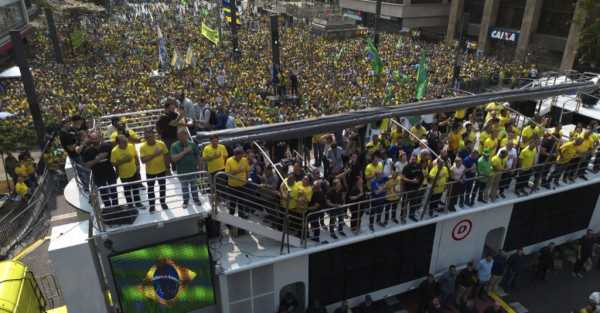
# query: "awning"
[[13, 72]]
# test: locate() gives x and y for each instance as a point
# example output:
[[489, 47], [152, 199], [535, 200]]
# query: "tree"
[[589, 38]]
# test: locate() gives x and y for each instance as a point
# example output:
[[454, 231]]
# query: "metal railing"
[[120, 203], [424, 203], [16, 224], [138, 121], [255, 202]]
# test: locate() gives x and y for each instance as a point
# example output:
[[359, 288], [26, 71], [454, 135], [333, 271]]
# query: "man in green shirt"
[[186, 155], [484, 170]]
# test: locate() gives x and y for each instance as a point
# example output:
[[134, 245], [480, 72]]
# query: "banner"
[[373, 56], [211, 34], [162, 49]]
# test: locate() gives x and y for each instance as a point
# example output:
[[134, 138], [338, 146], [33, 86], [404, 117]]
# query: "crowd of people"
[[22, 172], [112, 71]]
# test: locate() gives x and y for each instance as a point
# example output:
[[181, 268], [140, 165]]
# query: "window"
[[475, 10], [11, 17], [556, 17], [510, 14]]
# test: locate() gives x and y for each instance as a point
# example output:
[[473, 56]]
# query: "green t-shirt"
[[484, 168], [189, 163]]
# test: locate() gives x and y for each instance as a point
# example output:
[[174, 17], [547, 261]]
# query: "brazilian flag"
[[422, 78], [373, 56]]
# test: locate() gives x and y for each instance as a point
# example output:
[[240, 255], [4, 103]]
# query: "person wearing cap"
[[124, 158], [186, 157], [484, 170], [155, 156], [237, 169]]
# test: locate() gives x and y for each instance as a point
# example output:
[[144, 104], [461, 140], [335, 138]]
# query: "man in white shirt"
[[484, 274]]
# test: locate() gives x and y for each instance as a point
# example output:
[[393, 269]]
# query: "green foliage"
[[589, 38]]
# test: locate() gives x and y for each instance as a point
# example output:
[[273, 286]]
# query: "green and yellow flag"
[[422, 76], [211, 34]]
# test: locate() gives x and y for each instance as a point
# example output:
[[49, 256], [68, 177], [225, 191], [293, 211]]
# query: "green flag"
[[422, 76], [210, 34], [389, 92], [339, 55], [373, 56]]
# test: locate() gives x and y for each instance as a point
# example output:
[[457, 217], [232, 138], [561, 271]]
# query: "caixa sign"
[[504, 35]]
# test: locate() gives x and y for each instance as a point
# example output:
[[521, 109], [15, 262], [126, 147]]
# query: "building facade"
[[540, 31]]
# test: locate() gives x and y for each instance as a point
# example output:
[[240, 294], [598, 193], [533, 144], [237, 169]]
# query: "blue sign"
[[504, 34]]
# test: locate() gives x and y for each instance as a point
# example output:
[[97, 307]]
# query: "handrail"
[[531, 172]]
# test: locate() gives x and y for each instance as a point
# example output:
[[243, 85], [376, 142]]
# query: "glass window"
[[510, 14], [556, 17], [11, 17], [475, 10]]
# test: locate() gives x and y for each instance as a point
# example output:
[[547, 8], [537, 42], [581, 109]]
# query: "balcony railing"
[[137, 121]]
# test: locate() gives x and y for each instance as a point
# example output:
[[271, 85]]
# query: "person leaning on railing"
[[300, 197], [484, 170], [526, 162], [155, 155], [393, 190], [237, 168], [125, 159], [96, 156], [215, 155], [564, 166], [186, 156], [498, 163], [437, 178]]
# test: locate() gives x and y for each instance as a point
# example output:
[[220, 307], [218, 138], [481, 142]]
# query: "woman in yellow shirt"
[[437, 177]]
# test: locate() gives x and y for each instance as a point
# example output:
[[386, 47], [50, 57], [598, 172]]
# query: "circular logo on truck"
[[462, 229]]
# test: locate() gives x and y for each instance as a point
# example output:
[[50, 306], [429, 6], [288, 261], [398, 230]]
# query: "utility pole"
[[28, 85], [234, 28], [108, 8], [275, 47], [377, 17], [460, 48], [53, 35]]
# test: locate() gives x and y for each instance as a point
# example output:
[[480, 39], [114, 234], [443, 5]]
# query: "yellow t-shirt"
[[442, 178], [420, 131], [460, 114], [504, 142], [24, 168], [526, 134], [21, 189], [217, 164], [300, 197], [156, 165], [373, 146], [133, 136], [491, 144], [586, 145], [241, 178], [454, 139], [393, 187], [129, 168], [498, 163], [527, 158], [371, 170], [567, 152]]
